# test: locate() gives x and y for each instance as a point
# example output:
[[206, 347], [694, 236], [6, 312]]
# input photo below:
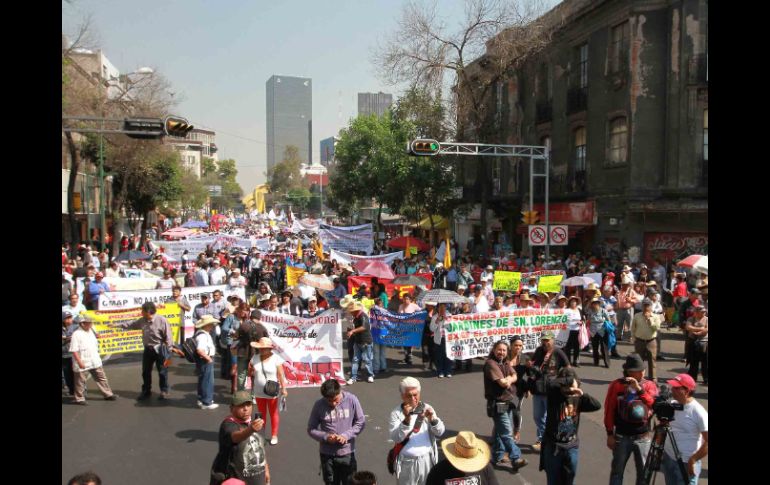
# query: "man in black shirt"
[[548, 360], [467, 461], [361, 336], [241, 448], [559, 454]]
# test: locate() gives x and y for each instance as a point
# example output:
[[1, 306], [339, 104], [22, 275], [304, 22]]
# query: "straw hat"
[[206, 320], [263, 343], [466, 452], [346, 300]]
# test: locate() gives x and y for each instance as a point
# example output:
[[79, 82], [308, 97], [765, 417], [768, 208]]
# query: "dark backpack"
[[632, 410], [190, 348]]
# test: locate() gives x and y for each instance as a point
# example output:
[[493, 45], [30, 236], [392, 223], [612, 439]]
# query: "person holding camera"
[[566, 402], [417, 421], [241, 448], [500, 379], [690, 428], [627, 413], [547, 362]]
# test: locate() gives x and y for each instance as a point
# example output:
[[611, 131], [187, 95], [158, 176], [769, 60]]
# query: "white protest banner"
[[305, 225], [194, 246], [352, 259], [122, 284], [120, 300], [472, 335], [353, 238], [311, 348], [262, 244], [597, 277]]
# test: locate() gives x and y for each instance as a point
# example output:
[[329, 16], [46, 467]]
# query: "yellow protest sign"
[[293, 275], [117, 341], [549, 283], [507, 280]]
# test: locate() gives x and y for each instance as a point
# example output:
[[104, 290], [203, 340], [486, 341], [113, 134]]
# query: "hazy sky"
[[218, 54]]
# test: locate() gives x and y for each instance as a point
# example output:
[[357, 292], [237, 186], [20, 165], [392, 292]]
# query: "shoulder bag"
[[272, 388]]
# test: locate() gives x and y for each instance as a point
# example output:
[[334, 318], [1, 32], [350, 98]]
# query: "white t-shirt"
[[86, 344], [260, 379], [419, 443], [217, 276], [687, 426], [204, 342], [573, 318], [482, 305]]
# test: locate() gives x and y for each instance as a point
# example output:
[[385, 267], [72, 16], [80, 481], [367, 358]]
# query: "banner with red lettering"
[[310, 348], [354, 282]]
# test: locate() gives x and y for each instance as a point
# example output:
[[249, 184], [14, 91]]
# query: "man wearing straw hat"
[[204, 363], [466, 457], [361, 336]]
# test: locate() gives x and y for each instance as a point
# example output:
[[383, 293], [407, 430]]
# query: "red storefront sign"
[[672, 246], [575, 213]]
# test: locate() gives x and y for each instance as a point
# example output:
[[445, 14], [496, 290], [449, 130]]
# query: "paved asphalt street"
[[157, 442]]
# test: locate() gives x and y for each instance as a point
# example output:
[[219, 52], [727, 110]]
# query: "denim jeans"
[[149, 358], [624, 447], [539, 412], [561, 468], [443, 363], [673, 476], [336, 470], [380, 361], [504, 443], [205, 372], [362, 351]]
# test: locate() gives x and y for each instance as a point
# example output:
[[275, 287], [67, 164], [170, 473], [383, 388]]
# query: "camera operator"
[[690, 429], [627, 412], [500, 386]]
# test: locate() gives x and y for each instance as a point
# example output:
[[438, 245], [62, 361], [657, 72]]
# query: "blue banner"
[[397, 329]]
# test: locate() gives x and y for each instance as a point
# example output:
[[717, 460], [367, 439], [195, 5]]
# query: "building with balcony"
[[194, 147], [620, 97]]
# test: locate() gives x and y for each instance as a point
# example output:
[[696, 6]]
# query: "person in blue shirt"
[[333, 297], [95, 288]]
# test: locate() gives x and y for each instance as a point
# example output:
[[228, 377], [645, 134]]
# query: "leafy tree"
[[194, 195], [208, 167], [222, 173], [285, 174], [299, 198]]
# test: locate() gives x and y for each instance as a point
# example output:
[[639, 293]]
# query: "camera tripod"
[[655, 456]]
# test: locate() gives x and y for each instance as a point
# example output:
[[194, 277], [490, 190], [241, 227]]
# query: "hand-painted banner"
[[397, 329], [472, 335], [506, 281], [354, 238], [293, 275], [311, 348], [121, 300], [118, 341], [352, 259], [354, 282], [549, 283]]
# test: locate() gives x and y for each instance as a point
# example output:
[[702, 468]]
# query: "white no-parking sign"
[[558, 235], [538, 235]]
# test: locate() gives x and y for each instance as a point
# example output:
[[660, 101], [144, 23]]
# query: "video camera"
[[665, 405]]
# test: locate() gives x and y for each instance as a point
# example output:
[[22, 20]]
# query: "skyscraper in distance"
[[289, 117], [374, 103]]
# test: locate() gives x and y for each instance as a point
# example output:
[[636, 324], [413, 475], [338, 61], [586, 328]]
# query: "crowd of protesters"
[[633, 302]]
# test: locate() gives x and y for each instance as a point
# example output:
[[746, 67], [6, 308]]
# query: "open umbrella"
[[702, 265], [410, 280], [692, 260], [319, 281], [195, 224], [132, 255], [400, 243], [374, 268], [578, 281], [440, 296]]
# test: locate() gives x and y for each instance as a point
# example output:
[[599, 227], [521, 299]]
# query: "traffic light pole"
[[533, 152]]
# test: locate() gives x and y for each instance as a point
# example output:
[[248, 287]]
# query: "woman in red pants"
[[263, 368]]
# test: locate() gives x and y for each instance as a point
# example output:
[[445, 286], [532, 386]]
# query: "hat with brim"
[[206, 320], [241, 397], [466, 452], [595, 300], [626, 268], [346, 300], [561, 297], [573, 297], [547, 335], [355, 305], [525, 297], [592, 287], [263, 343]]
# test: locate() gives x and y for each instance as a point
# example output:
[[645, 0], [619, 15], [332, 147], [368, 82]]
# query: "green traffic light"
[[434, 146]]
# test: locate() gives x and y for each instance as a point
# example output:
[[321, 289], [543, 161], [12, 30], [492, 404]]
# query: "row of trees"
[[146, 174], [288, 186]]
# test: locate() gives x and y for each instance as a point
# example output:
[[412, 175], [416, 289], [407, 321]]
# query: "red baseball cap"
[[682, 380]]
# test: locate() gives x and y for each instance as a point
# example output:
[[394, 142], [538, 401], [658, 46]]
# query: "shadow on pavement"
[[192, 435]]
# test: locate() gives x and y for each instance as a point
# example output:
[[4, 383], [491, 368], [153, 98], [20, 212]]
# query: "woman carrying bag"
[[268, 383]]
